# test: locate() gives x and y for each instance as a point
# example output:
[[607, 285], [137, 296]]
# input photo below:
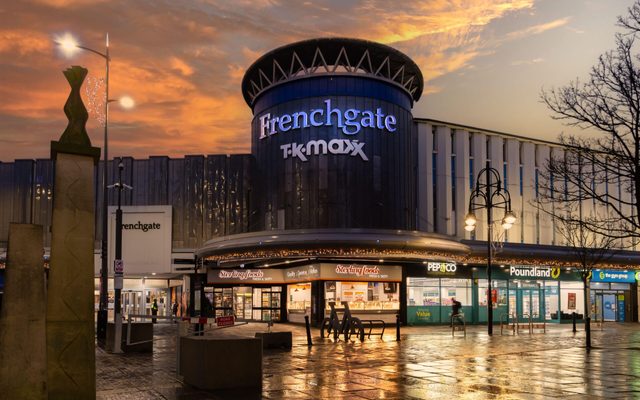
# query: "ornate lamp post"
[[70, 46], [489, 194]]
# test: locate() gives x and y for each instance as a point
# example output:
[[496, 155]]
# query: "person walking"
[[455, 310], [154, 310]]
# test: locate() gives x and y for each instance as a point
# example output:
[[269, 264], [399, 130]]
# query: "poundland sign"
[[525, 271]]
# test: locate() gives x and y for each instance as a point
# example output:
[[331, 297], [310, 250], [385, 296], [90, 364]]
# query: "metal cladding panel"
[[335, 190], [215, 195], [22, 191], [43, 197], [158, 179], [140, 182], [176, 199], [6, 200], [193, 200]]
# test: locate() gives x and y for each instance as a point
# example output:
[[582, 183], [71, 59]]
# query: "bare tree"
[[603, 167], [588, 249]]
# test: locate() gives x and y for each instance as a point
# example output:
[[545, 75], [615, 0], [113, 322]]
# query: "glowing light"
[[469, 228], [68, 44], [509, 218], [127, 102], [470, 219]]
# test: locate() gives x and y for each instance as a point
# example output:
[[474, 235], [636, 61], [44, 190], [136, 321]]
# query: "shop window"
[[552, 300], [364, 295], [571, 299], [299, 296], [459, 289], [423, 291]]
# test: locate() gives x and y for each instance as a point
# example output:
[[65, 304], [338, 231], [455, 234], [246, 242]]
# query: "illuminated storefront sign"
[[350, 121], [604, 275], [526, 271], [442, 267], [321, 147], [245, 276]]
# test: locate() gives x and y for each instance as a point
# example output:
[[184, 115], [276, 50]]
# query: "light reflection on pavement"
[[427, 364]]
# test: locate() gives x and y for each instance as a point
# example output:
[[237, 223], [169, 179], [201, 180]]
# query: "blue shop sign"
[[607, 275]]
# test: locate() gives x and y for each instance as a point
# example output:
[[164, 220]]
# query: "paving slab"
[[426, 364]]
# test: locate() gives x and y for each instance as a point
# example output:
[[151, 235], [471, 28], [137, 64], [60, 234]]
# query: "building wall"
[[209, 194], [448, 152]]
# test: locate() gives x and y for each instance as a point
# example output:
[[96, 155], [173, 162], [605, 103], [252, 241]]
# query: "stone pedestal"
[[221, 363], [140, 332], [70, 322], [23, 372]]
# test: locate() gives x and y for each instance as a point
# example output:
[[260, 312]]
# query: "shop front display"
[[431, 290], [247, 294], [611, 295]]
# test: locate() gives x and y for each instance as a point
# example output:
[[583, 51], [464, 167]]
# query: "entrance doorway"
[[609, 305], [527, 303]]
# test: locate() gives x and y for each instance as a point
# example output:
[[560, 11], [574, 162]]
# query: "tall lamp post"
[[118, 263], [70, 46], [488, 194]]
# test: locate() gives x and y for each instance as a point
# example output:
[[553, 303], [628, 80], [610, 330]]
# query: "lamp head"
[[126, 102], [505, 225], [68, 44], [509, 217], [469, 228], [470, 219]]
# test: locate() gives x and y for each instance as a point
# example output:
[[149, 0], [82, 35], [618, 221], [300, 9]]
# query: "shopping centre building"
[[344, 197]]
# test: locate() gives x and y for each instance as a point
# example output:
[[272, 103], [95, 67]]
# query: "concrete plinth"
[[275, 340], [70, 322], [221, 363], [23, 364], [140, 332]]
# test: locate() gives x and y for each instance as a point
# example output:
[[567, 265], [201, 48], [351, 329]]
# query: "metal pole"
[[118, 285], [104, 269], [398, 327], [308, 326], [489, 236]]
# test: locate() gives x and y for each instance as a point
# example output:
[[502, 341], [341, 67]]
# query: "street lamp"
[[489, 195], [69, 46], [118, 263]]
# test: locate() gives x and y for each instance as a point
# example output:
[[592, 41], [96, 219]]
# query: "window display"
[[363, 295]]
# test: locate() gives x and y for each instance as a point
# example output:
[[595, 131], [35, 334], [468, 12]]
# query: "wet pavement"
[[428, 363]]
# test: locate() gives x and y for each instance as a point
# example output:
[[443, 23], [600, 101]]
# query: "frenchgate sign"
[[348, 122]]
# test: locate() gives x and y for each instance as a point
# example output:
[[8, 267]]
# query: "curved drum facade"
[[334, 142]]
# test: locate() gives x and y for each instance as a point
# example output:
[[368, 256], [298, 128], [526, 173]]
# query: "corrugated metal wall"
[[209, 194]]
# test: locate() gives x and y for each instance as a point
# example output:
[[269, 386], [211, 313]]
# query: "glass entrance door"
[[609, 307], [530, 304], [242, 304]]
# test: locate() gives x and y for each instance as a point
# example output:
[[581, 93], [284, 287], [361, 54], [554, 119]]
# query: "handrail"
[[460, 317], [505, 321]]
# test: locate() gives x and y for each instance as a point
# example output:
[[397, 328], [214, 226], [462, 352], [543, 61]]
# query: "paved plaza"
[[428, 363]]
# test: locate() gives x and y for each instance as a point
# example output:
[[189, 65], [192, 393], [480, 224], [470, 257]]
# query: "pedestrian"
[[154, 310], [455, 310], [174, 309]]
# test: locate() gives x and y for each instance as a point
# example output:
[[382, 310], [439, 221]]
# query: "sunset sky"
[[484, 62]]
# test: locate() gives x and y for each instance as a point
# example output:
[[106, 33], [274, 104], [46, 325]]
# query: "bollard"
[[398, 327], [308, 326], [573, 317]]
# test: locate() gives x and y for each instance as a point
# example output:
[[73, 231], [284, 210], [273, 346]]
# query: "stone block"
[[23, 363], [140, 331], [221, 363], [275, 340], [70, 290]]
